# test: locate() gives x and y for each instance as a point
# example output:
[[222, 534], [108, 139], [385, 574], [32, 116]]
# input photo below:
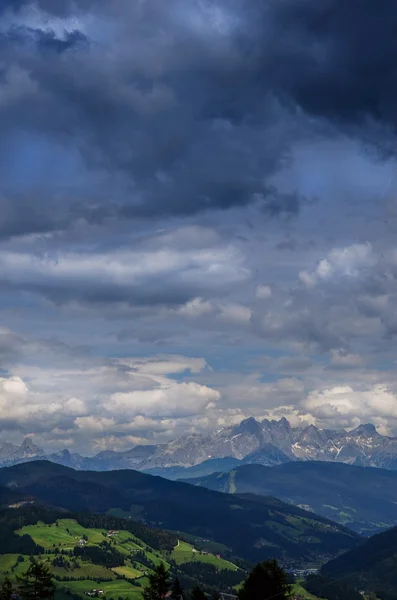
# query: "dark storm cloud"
[[195, 104], [337, 58], [53, 7]]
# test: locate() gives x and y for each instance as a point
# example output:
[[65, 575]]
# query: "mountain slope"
[[363, 499], [253, 527], [212, 465], [372, 566], [86, 552]]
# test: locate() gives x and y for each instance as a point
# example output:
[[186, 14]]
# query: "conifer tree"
[[159, 584], [6, 590], [176, 590], [266, 580], [36, 584], [197, 593]]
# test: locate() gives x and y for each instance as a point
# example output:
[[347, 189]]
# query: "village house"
[[112, 533]]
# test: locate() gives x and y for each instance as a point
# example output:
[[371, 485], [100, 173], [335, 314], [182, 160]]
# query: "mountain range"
[[251, 527], [253, 442]]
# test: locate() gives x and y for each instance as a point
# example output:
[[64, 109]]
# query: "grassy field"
[[10, 566], [86, 569], [59, 540], [185, 552], [112, 589], [65, 534], [298, 590], [129, 571], [203, 544]]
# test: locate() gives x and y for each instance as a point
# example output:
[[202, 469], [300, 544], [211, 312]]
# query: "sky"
[[198, 217]]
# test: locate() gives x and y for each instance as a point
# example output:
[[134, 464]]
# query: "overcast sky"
[[198, 217]]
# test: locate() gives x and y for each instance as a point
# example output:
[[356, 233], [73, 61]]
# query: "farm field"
[[83, 559], [65, 543], [185, 552], [112, 589], [298, 590], [65, 534]]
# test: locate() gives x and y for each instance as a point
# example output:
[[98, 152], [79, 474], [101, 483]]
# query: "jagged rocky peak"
[[268, 442], [283, 424], [367, 429], [311, 433], [276, 425], [30, 447], [64, 453], [249, 425]]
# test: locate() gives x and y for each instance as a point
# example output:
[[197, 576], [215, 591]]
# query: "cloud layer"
[[198, 216]]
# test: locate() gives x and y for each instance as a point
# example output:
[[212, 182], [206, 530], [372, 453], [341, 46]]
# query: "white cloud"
[[95, 425], [14, 386], [196, 308], [154, 272], [349, 261], [235, 313], [348, 406], [171, 400], [118, 397]]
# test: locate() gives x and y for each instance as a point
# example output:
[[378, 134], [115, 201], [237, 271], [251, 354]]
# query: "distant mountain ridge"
[[363, 499], [255, 442]]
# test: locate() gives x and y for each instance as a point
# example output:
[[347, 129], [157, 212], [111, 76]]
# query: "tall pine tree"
[[266, 580], [197, 593], [36, 584], [176, 590], [159, 584], [6, 590]]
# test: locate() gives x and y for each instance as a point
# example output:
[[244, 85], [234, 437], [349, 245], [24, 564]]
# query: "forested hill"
[[91, 551], [361, 498], [371, 566], [13, 519], [254, 528]]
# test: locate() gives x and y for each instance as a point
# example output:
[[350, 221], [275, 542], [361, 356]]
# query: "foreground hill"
[[91, 552], [363, 499], [253, 527], [372, 566]]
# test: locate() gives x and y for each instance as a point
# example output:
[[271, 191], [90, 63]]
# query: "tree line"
[[266, 581]]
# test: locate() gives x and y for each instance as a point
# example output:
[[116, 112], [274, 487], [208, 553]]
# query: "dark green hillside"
[[361, 498], [372, 566], [12, 497], [86, 552], [252, 527]]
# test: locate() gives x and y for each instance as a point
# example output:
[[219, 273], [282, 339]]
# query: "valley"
[[253, 527], [103, 534]]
